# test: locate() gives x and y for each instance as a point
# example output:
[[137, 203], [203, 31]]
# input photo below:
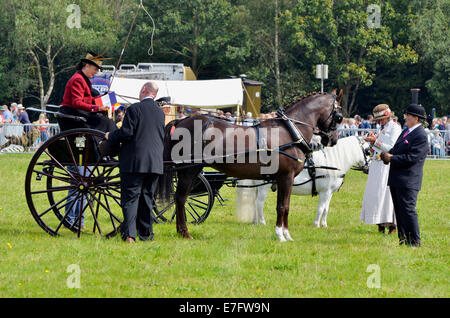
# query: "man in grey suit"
[[407, 158], [140, 162]]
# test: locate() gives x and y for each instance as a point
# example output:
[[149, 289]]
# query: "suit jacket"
[[408, 158], [77, 93], [142, 138]]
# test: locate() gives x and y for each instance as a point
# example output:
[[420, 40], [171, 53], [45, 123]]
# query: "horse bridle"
[[366, 150], [336, 119]]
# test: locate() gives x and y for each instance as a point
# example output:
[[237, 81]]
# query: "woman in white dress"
[[377, 207]]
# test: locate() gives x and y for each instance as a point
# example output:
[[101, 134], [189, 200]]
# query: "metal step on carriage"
[[67, 172]]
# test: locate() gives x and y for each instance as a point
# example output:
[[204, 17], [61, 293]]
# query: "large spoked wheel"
[[69, 186], [198, 204]]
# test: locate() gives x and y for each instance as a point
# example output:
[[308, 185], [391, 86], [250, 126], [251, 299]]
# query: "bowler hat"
[[94, 59], [416, 110]]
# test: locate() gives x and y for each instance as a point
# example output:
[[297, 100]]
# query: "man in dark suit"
[[140, 162], [407, 158]]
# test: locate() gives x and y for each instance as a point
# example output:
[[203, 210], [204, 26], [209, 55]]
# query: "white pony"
[[346, 153]]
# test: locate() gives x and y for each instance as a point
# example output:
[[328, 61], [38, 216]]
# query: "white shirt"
[[413, 127]]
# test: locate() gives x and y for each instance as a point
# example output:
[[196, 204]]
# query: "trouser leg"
[[407, 219], [144, 218], [131, 185]]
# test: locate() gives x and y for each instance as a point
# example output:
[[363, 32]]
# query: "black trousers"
[[137, 193], [405, 200]]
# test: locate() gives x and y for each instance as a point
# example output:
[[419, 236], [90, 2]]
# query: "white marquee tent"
[[201, 93]]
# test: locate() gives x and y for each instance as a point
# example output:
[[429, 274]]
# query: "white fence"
[[18, 138]]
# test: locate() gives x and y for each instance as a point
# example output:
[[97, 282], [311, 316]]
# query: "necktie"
[[406, 133]]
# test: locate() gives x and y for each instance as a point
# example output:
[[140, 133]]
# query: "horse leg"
[[184, 186], [320, 208], [261, 194], [283, 197], [328, 197]]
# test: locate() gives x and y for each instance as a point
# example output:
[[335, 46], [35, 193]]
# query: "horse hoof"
[[187, 236], [279, 234], [287, 235]]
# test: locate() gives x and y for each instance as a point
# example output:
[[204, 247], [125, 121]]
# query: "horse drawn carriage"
[[68, 172]]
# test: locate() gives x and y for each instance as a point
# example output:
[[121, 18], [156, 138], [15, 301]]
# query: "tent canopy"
[[202, 94]]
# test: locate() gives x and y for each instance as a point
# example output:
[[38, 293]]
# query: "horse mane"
[[344, 153], [301, 98]]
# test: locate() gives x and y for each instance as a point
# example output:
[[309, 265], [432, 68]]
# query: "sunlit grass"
[[227, 258]]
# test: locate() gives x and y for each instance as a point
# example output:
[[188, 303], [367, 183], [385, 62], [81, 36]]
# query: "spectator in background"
[[43, 127], [23, 118], [443, 124], [14, 112], [370, 123], [229, 117], [248, 121], [437, 143], [343, 128], [181, 114], [2, 110], [353, 127], [119, 115], [7, 115]]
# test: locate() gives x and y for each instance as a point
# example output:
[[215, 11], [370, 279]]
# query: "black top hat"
[[94, 59], [414, 108]]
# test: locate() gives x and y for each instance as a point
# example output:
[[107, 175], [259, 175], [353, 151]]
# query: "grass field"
[[229, 259]]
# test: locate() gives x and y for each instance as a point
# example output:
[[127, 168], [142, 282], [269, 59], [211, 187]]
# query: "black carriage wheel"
[[68, 182], [198, 204]]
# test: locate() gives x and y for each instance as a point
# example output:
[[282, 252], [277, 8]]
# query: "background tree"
[[53, 43], [202, 34], [431, 31], [337, 33]]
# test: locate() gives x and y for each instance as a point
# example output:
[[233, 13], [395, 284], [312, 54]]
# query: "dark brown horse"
[[273, 150]]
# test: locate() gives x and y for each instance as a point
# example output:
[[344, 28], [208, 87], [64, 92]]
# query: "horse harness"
[[300, 140], [311, 167]]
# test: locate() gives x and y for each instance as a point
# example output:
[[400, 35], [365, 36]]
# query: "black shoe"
[[392, 229], [381, 228]]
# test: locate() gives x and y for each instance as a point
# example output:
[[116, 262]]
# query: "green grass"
[[227, 258]]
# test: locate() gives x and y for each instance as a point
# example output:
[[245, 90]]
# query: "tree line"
[[375, 50]]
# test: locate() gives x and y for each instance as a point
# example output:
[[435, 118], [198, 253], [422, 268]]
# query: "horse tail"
[[164, 189]]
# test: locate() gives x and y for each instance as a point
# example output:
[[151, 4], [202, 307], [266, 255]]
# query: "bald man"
[[140, 162]]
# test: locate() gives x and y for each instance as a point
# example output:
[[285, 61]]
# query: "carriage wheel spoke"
[[93, 215], [115, 198], [60, 165], [107, 210], [112, 220], [192, 215], [56, 204], [204, 204], [54, 189], [71, 154], [53, 176], [68, 211]]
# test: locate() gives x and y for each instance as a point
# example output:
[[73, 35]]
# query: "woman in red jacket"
[[78, 99]]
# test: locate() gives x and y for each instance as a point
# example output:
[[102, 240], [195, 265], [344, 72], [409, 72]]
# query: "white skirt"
[[377, 207]]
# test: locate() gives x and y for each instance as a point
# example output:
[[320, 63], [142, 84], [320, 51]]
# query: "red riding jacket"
[[77, 94]]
